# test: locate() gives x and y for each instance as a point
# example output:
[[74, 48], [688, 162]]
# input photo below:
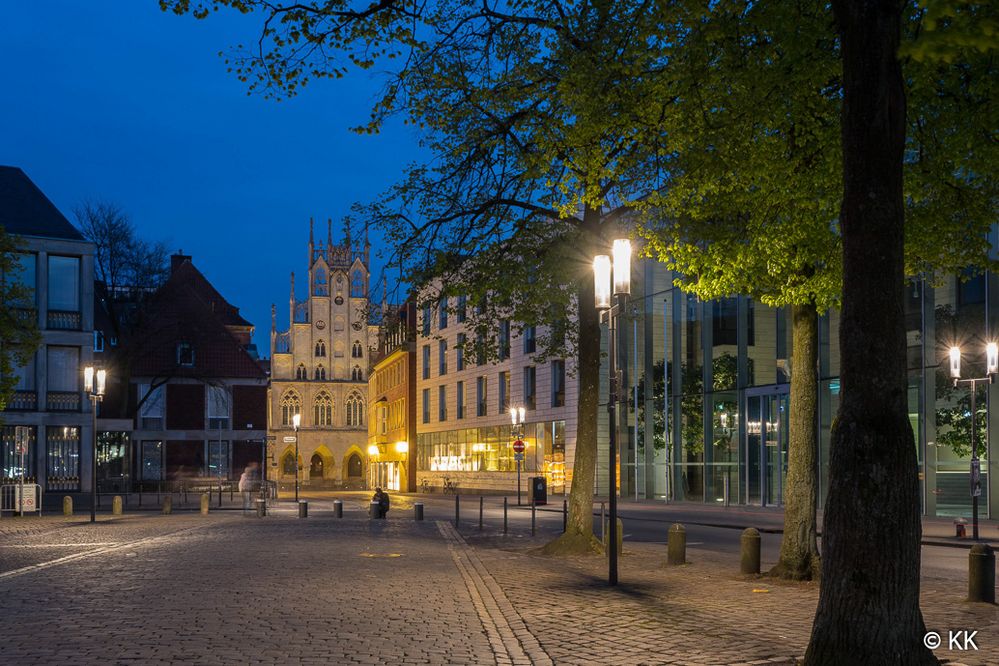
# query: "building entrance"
[[765, 448]]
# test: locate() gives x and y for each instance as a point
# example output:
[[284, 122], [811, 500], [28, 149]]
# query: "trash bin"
[[539, 490]]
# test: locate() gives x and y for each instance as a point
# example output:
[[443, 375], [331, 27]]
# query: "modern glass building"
[[708, 392]]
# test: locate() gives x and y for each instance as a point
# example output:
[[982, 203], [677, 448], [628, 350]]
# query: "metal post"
[[93, 458], [518, 483], [296, 464], [612, 447], [603, 522], [480, 512], [974, 464], [533, 506], [456, 509], [565, 515], [504, 515]]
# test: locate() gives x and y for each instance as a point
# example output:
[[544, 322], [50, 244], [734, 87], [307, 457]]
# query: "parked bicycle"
[[450, 486], [426, 486]]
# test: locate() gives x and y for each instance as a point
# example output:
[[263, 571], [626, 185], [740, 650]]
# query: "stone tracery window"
[[320, 348], [301, 372], [291, 404], [355, 409], [323, 409]]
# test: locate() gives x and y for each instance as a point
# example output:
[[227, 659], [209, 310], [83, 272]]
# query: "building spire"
[[367, 246], [273, 318], [329, 238], [291, 302], [312, 244]]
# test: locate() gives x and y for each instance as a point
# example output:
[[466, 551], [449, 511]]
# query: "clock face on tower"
[[356, 325], [338, 300], [320, 324]]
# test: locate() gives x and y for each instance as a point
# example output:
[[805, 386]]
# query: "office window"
[[462, 309], [558, 383], [529, 387], [530, 340], [151, 410], [426, 320], [481, 395], [64, 283], [442, 350], [480, 349], [460, 397], [442, 314], [426, 361], [63, 368], [22, 272], [441, 403], [218, 407], [504, 340], [459, 353], [98, 341], [504, 392], [426, 405]]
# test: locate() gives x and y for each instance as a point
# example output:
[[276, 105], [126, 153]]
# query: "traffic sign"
[[518, 456], [518, 446]]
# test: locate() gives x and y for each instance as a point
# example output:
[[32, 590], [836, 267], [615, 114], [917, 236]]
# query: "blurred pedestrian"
[[383, 502]]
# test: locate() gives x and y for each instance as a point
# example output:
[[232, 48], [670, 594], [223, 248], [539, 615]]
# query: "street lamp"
[[991, 368], [296, 420], [95, 390], [517, 431], [603, 288]]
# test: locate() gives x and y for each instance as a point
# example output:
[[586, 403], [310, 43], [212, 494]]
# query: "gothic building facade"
[[319, 369]]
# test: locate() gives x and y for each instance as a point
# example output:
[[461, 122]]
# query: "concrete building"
[[319, 369], [464, 431], [57, 265]]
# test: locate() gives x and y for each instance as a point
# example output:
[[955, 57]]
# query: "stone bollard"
[[205, 500], [303, 509], [750, 552], [261, 508], [982, 574], [338, 508], [117, 508], [619, 535], [418, 511], [67, 506], [167, 506], [676, 548], [374, 510]]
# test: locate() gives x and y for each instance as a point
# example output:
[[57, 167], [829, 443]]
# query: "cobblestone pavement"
[[228, 589]]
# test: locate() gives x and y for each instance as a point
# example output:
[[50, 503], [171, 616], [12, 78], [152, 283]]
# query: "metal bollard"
[[749, 559], [457, 510], [374, 510], [603, 524], [676, 548], [67, 506], [619, 535], [480, 512], [504, 515], [982, 574], [533, 521], [261, 507], [167, 506], [205, 500], [338, 508], [418, 511], [565, 515], [117, 508], [303, 509]]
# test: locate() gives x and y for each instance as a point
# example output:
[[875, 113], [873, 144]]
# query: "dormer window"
[[185, 354]]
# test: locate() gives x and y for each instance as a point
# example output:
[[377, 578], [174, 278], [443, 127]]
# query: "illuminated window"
[[290, 405]]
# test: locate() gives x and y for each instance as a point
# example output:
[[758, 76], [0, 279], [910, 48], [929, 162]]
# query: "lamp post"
[[517, 430], [991, 368], [94, 383], [296, 421], [604, 288]]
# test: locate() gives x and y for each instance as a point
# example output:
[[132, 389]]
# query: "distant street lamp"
[[603, 288], [296, 420], [991, 368], [95, 391], [517, 431]]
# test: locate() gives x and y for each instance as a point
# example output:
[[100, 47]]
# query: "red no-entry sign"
[[518, 446]]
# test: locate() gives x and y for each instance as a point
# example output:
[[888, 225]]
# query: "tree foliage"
[[19, 336]]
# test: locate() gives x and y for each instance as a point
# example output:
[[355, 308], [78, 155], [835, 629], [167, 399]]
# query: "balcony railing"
[[62, 320], [23, 401], [63, 401]]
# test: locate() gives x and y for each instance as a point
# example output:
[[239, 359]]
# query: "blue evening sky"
[[120, 101]]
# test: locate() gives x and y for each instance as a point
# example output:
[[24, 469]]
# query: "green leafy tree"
[[19, 336], [529, 112]]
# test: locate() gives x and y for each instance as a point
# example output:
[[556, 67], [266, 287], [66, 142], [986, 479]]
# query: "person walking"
[[247, 481], [383, 502]]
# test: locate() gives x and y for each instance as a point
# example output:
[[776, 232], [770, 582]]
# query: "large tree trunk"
[[868, 611], [799, 552], [578, 536]]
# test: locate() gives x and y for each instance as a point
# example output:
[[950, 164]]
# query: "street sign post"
[[21, 442], [290, 439]]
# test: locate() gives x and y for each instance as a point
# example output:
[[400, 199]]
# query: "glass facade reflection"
[[707, 385]]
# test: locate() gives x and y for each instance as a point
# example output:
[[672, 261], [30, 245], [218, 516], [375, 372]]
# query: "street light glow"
[[602, 281], [296, 419], [955, 362], [992, 358], [622, 266], [102, 376], [88, 378], [523, 412]]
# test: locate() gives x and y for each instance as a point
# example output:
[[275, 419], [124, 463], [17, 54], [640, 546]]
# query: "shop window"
[[62, 457]]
